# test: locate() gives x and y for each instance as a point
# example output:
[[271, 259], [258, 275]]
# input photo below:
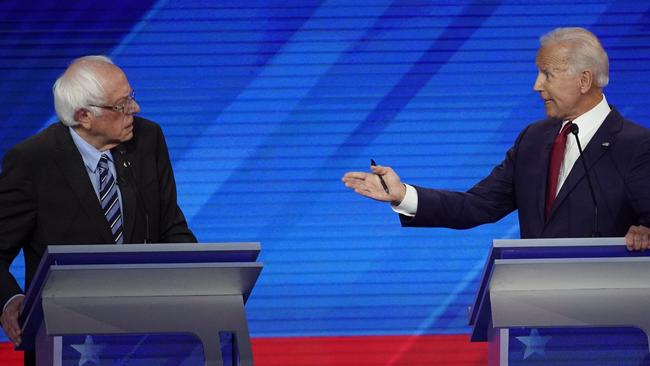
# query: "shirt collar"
[[89, 153], [592, 119]]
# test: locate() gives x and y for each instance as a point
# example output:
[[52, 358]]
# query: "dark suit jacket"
[[46, 197], [618, 162]]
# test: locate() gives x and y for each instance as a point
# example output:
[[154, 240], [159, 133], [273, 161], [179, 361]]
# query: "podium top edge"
[[571, 261], [163, 266], [154, 247], [557, 242]]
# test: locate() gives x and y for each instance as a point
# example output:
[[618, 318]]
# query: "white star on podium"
[[89, 352], [534, 343]]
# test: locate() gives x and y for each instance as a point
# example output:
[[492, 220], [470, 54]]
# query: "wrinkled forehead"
[[115, 81], [552, 57]]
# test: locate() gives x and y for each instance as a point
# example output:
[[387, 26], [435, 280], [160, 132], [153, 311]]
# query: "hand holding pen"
[[381, 179], [381, 184]]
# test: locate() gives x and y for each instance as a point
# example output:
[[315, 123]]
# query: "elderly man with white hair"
[[606, 194], [60, 186]]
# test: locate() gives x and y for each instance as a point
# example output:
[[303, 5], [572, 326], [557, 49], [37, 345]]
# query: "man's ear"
[[586, 81], [83, 117]]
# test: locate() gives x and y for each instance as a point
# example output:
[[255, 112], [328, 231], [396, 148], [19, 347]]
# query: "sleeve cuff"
[[409, 205]]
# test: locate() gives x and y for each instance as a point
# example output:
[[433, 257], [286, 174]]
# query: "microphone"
[[121, 149], [574, 131]]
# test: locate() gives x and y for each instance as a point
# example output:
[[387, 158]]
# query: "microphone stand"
[[574, 131]]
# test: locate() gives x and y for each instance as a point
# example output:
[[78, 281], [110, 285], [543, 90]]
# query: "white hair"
[[78, 88], [585, 52]]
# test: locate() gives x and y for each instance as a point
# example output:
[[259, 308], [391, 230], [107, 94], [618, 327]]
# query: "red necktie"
[[557, 155]]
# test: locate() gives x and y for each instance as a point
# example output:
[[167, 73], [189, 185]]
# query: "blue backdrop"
[[265, 104]]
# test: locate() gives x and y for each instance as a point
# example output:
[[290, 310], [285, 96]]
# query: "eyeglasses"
[[121, 107]]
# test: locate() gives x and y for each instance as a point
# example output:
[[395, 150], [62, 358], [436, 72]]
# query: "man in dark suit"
[[102, 175], [541, 176]]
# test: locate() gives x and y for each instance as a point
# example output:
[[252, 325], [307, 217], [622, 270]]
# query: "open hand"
[[369, 184]]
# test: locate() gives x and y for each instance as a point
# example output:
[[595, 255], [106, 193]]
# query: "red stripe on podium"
[[440, 350], [10, 357]]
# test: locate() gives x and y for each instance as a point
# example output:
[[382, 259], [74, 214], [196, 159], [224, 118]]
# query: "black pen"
[[383, 184]]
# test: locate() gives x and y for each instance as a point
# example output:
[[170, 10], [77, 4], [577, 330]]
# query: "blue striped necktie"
[[109, 200]]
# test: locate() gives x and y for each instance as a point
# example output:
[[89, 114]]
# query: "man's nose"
[[537, 86], [134, 107]]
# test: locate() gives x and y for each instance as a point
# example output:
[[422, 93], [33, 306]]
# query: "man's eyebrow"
[[124, 97]]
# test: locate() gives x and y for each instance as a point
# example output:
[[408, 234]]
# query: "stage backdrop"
[[265, 104]]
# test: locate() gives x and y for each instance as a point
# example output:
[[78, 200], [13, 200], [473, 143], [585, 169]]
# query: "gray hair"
[[585, 52], [78, 88]]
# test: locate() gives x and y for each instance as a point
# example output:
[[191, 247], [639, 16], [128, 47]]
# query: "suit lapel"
[[547, 143], [123, 159], [592, 153], [72, 167]]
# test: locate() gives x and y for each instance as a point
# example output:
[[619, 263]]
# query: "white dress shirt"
[[588, 123]]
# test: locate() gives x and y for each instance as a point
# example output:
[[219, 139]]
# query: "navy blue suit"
[[618, 161]]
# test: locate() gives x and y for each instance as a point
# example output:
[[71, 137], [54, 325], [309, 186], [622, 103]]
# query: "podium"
[[187, 290], [587, 288]]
